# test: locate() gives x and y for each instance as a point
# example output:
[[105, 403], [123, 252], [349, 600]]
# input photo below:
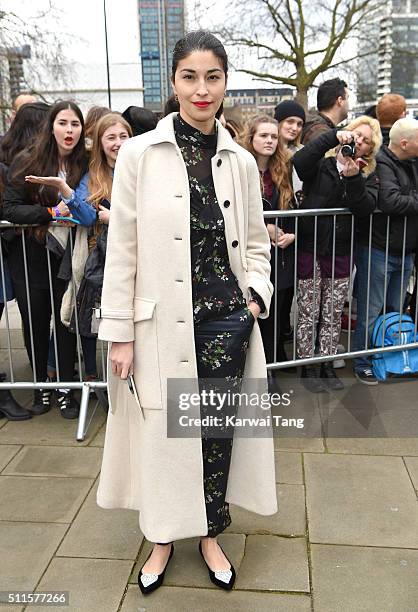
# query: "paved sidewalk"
[[345, 538]]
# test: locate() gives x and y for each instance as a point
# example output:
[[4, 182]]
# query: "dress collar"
[[192, 135]]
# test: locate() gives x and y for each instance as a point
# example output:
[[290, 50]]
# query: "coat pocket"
[[146, 355]]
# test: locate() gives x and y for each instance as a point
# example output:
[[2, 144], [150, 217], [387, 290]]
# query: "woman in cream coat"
[[148, 313]]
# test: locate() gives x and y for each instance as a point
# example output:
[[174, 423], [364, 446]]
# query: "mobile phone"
[[132, 388]]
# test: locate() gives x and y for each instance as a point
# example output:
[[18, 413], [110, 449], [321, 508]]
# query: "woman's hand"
[[285, 239], [51, 181], [350, 167], [255, 309], [121, 357], [104, 214], [345, 137], [63, 210], [274, 233]]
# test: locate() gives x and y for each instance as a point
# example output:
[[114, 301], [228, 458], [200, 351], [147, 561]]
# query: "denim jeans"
[[394, 297]]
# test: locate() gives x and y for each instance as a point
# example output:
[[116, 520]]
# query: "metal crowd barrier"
[[348, 354], [85, 387], [101, 383]]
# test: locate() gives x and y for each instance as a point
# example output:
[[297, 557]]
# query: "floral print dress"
[[222, 320]]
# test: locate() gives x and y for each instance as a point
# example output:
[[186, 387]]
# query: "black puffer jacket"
[[398, 198], [323, 187]]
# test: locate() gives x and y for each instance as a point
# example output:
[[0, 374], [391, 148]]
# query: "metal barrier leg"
[[84, 403]]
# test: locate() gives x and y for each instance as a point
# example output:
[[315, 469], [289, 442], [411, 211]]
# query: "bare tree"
[[31, 41], [292, 41]]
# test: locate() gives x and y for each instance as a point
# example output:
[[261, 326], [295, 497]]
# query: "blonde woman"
[[345, 177], [270, 141], [93, 193]]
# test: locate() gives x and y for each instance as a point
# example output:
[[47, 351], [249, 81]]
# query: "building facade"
[[392, 66], [250, 102], [161, 25]]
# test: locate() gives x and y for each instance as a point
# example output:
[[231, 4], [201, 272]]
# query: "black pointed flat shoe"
[[150, 582], [224, 579]]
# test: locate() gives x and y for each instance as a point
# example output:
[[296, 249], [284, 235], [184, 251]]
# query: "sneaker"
[[41, 401], [366, 376], [68, 405]]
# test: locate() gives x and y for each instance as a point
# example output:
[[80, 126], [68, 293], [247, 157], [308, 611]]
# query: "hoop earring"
[[176, 97]]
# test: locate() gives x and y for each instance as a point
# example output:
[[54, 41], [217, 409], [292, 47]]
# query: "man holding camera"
[[384, 259], [337, 170]]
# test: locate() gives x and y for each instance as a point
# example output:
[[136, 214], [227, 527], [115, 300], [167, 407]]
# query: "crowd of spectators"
[[56, 166]]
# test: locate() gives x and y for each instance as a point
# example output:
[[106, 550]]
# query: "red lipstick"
[[201, 104]]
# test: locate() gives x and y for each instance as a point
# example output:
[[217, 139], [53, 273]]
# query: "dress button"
[[219, 162], [227, 203], [235, 243]]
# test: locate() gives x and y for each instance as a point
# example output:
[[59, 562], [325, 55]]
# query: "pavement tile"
[[55, 500], [364, 501], [49, 429], [104, 534], [412, 466], [304, 445], [16, 337], [7, 452], [94, 584], [99, 438], [289, 468], [187, 567], [177, 599], [373, 446], [359, 579], [272, 563], [56, 461], [290, 520], [25, 551]]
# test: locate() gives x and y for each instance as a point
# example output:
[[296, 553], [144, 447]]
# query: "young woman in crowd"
[[187, 275], [333, 181], [272, 143], [25, 126], [291, 118], [94, 114], [30, 198]]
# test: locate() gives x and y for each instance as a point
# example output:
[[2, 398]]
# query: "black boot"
[[330, 378], [11, 409], [273, 385], [310, 379]]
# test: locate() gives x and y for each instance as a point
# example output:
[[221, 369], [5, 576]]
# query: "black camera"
[[348, 150]]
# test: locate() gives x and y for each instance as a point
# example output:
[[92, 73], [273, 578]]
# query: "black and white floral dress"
[[222, 320]]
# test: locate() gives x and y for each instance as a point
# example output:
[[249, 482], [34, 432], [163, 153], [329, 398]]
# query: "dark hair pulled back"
[[199, 40]]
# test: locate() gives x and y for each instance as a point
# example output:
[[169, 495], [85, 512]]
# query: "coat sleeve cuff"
[[264, 290], [116, 330]]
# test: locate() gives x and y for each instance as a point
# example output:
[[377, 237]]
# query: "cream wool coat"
[[147, 297]]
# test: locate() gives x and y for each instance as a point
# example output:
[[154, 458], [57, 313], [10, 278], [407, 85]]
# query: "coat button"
[[219, 162], [235, 243], [227, 203]]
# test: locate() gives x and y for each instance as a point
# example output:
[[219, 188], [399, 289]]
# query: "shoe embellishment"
[[224, 575], [148, 579]]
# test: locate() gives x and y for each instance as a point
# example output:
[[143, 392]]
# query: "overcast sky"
[[82, 23]]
